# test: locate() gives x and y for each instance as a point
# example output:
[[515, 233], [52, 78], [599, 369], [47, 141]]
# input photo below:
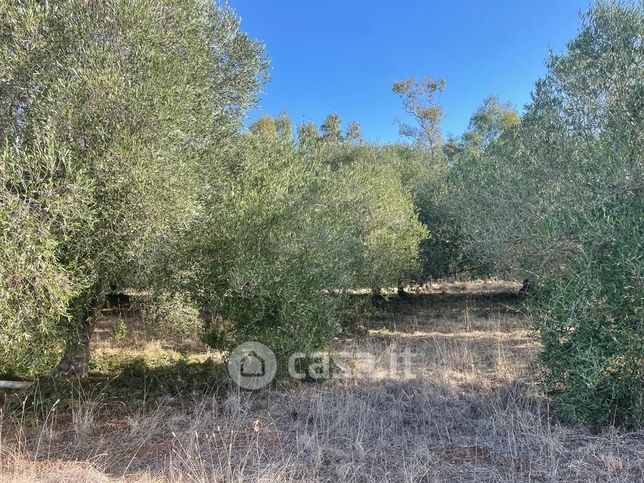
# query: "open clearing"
[[467, 409]]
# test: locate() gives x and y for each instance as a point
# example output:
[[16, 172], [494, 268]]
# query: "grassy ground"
[[465, 406]]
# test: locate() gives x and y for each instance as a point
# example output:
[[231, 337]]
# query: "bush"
[[266, 249], [384, 220], [170, 316], [284, 236], [423, 176], [563, 203], [590, 317], [591, 326]]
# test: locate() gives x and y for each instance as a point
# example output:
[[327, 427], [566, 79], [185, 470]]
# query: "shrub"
[[170, 316], [129, 93], [590, 318], [266, 248], [384, 221], [284, 236], [562, 201], [591, 321]]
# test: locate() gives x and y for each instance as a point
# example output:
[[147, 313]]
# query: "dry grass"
[[469, 411]]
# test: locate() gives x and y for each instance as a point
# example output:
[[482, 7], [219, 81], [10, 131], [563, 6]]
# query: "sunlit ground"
[[440, 387]]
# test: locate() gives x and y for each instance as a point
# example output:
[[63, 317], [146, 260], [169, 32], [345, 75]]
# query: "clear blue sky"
[[342, 56]]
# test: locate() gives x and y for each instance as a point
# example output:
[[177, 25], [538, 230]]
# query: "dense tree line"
[[124, 164]]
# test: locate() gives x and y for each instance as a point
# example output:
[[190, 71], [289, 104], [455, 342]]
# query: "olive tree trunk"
[[376, 298]]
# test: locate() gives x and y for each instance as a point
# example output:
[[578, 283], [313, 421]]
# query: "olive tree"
[[108, 110], [271, 249], [398, 178], [560, 198], [384, 217], [43, 202], [286, 235]]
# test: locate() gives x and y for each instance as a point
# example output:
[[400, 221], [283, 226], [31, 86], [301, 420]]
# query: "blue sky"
[[342, 56]]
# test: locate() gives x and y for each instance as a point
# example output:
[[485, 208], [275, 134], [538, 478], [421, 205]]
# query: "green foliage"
[[562, 199], [308, 137], [426, 176], [331, 129], [328, 142], [122, 166], [268, 248], [43, 203], [264, 126], [489, 186], [382, 213], [286, 235], [490, 121], [284, 127], [591, 321], [353, 133], [108, 108], [121, 331], [419, 101], [169, 316]]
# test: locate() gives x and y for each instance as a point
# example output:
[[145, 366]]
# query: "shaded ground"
[[467, 408]]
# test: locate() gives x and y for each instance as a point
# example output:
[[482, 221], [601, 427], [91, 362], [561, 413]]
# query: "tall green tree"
[[331, 129], [420, 101], [559, 198], [265, 127], [108, 110], [353, 133], [284, 126], [308, 137], [489, 121]]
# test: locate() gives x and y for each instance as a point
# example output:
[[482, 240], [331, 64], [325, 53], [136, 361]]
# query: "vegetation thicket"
[[124, 165]]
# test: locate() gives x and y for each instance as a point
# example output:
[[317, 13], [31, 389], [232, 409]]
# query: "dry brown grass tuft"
[[469, 410]]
